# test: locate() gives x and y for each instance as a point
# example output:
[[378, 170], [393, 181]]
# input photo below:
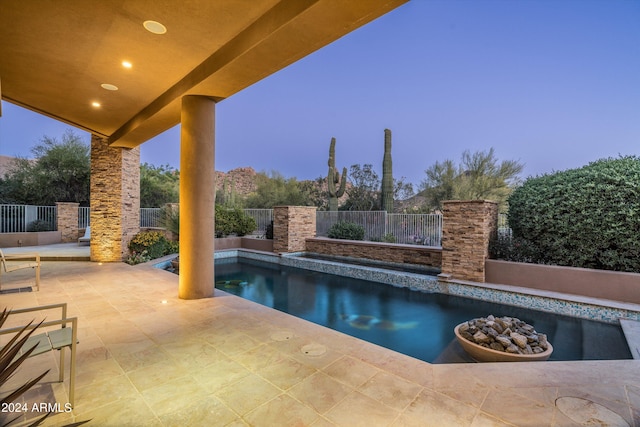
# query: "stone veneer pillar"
[[467, 227], [292, 225], [197, 197], [68, 221], [115, 199]]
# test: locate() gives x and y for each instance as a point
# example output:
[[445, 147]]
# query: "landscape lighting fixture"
[[154, 27]]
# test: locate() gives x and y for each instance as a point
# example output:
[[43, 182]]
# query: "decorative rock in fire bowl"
[[502, 339]]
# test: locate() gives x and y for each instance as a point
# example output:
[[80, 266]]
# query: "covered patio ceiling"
[[57, 57]]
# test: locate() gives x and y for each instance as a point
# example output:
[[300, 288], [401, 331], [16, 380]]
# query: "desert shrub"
[[233, 221], [587, 217], [346, 230], [152, 243], [39, 225], [389, 238]]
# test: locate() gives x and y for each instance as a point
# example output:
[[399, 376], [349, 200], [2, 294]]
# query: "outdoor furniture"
[[19, 262], [54, 339], [86, 238]]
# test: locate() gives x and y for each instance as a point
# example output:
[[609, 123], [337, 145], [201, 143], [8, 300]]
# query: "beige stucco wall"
[[604, 284]]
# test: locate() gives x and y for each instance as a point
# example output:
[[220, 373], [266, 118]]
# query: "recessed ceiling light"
[[155, 27], [107, 86], [95, 104], [127, 64]]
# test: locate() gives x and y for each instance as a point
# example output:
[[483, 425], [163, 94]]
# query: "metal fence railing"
[[372, 221], [503, 226], [23, 218], [83, 216], [150, 217], [418, 229], [263, 218]]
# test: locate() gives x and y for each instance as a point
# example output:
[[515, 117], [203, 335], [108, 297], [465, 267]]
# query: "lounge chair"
[[19, 262], [86, 238], [54, 339]]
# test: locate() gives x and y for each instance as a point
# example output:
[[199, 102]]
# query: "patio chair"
[[55, 339], [86, 238], [19, 262]]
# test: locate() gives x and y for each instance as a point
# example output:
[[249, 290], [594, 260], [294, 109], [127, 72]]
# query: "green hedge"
[[346, 230], [233, 221], [587, 217]]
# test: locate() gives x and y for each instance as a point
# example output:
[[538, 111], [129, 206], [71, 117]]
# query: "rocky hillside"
[[242, 179]]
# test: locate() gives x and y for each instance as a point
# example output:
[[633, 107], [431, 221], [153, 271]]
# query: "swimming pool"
[[419, 324]]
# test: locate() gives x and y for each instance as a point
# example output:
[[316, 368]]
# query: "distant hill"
[[6, 163]]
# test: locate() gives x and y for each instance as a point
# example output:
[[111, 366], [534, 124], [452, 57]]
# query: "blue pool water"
[[415, 323]]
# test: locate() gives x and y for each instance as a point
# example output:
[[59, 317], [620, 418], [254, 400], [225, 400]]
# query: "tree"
[[364, 190], [159, 185], [60, 172], [276, 190], [479, 176]]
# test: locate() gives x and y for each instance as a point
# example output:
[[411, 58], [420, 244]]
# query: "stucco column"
[[467, 227], [197, 197], [68, 221], [115, 199]]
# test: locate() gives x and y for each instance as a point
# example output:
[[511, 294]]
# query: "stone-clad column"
[[467, 227], [115, 199], [292, 225], [68, 221], [197, 197]]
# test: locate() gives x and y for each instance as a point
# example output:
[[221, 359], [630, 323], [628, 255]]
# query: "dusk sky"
[[553, 84]]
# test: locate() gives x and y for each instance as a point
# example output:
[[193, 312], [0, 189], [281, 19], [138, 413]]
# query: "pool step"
[[631, 329]]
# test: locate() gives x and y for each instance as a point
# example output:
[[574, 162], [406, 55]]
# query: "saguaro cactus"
[[335, 185], [386, 193]]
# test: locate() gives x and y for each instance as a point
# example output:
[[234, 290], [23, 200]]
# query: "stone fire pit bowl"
[[484, 354]]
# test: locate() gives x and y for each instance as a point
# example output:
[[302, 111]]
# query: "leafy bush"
[[152, 242], [346, 230], [389, 238], [587, 217], [233, 221], [515, 249], [39, 225]]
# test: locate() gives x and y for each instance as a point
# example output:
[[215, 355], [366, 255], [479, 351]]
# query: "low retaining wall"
[[36, 238], [224, 243], [404, 254], [611, 285]]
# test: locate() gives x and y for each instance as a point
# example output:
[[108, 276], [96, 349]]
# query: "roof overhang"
[[55, 55]]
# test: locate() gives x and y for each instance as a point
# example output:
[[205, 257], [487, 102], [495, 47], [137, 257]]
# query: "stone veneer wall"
[[115, 199], [405, 254], [68, 221], [292, 225], [467, 227]]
